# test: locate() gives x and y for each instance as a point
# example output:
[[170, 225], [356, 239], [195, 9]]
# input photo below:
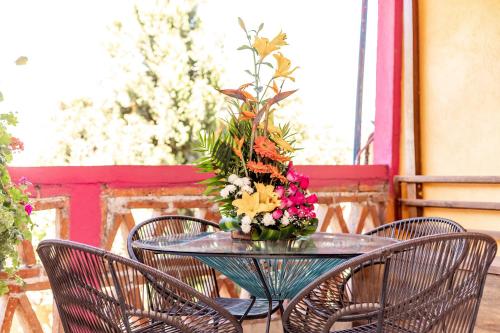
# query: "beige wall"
[[460, 101]]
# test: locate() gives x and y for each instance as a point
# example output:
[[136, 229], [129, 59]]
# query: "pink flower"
[[298, 198], [280, 190], [312, 199], [285, 203], [292, 211], [277, 214], [292, 176], [306, 209], [28, 209], [292, 189], [311, 215], [304, 182]]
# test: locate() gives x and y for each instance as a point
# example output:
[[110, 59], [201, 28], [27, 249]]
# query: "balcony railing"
[[95, 205]]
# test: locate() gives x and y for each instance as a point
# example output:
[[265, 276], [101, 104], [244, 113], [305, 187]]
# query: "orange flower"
[[248, 96], [239, 145], [264, 147], [279, 158], [258, 167], [275, 88], [247, 112], [276, 174]]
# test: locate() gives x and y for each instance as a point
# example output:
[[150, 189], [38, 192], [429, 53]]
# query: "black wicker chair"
[[190, 270], [428, 284], [416, 227], [96, 291]]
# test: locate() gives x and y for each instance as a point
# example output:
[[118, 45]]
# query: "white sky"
[[65, 43]]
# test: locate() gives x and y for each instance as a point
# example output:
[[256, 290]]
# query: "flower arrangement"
[[258, 190]]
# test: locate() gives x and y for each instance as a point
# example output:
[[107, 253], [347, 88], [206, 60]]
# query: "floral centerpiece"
[[259, 192]]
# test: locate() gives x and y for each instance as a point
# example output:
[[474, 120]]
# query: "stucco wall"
[[460, 101]]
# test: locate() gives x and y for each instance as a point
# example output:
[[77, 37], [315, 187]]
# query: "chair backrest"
[[187, 269], [416, 227], [428, 284], [96, 291]]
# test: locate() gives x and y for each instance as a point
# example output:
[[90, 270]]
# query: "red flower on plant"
[[16, 144], [28, 208]]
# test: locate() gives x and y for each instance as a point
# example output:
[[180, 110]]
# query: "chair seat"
[[238, 306], [372, 328]]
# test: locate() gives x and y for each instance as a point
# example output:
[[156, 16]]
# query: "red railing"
[[86, 187]]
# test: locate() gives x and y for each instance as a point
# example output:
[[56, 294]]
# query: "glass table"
[[273, 270]]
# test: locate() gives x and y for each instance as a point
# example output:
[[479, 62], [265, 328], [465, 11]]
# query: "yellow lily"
[[264, 47], [283, 69], [268, 199], [248, 205], [283, 144]]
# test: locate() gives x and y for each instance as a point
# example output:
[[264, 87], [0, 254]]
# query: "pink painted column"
[[85, 213], [388, 97]]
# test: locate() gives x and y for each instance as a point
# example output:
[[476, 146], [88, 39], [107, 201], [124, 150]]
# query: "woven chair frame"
[[416, 227], [188, 269], [97, 291], [428, 284]]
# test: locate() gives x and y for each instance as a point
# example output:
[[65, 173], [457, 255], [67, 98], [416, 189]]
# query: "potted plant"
[[260, 194], [15, 209]]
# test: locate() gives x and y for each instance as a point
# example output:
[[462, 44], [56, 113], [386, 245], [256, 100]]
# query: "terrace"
[[429, 159]]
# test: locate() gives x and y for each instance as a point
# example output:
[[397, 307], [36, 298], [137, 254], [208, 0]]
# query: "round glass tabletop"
[[318, 245], [275, 270]]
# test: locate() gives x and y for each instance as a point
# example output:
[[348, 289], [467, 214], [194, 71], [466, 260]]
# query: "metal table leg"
[[266, 290]]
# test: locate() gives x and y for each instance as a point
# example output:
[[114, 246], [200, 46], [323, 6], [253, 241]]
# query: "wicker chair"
[[416, 227], [96, 291], [190, 270], [427, 284]]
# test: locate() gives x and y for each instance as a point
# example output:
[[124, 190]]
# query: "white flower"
[[285, 220], [246, 220], [246, 228], [224, 193], [232, 178], [239, 182], [246, 224], [247, 189], [230, 188], [246, 181], [268, 220]]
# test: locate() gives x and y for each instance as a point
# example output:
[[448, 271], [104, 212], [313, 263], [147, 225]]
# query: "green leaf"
[[311, 228], [269, 234], [229, 223], [245, 47], [261, 26], [249, 73], [1, 97], [267, 64]]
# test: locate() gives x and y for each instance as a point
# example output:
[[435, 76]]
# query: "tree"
[[164, 94]]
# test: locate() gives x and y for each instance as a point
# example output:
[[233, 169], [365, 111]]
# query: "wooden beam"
[[449, 179], [479, 205], [411, 119]]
